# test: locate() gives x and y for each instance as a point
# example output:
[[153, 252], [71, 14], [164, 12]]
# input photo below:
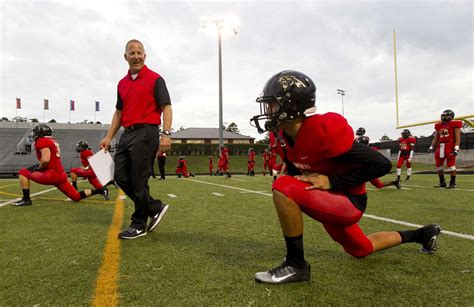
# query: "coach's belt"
[[138, 126]]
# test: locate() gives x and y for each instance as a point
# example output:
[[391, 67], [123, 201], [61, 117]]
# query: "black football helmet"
[[406, 133], [42, 130], [82, 145], [285, 96], [360, 131], [447, 116], [363, 139]]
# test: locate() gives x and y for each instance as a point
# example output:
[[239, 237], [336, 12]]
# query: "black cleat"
[[105, 193], [284, 273], [155, 220], [23, 203], [397, 184], [441, 185], [132, 233], [430, 235], [451, 186], [407, 179]]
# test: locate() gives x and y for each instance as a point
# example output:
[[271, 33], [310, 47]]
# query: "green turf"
[[208, 247]]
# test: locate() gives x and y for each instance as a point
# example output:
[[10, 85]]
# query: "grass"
[[208, 247]]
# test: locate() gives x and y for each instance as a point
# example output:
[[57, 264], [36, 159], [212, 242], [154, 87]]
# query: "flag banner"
[[18, 103], [72, 105], [46, 104], [97, 106]]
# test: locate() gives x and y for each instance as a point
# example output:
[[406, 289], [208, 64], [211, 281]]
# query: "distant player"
[[251, 162], [50, 170], [211, 165], [85, 152], [266, 161], [447, 138], [224, 157], [277, 148], [405, 154], [182, 168], [377, 182]]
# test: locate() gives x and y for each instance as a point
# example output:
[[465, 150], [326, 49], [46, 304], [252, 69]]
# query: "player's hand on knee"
[[317, 181], [33, 168]]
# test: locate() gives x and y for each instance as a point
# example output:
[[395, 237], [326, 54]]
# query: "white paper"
[[103, 166]]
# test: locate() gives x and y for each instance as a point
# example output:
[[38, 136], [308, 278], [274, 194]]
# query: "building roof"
[[207, 133]]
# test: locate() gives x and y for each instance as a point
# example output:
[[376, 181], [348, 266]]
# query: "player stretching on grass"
[[50, 170], [327, 171], [85, 152]]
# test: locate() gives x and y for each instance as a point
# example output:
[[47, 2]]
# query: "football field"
[[217, 233]]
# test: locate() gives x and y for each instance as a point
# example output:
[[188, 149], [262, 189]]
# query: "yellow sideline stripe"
[[106, 289]]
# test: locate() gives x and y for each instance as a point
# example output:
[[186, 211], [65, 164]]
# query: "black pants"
[[132, 169], [161, 166]]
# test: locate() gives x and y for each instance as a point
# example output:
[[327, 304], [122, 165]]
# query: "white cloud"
[[74, 50]]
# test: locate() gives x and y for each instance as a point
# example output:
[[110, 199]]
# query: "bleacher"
[[14, 157]]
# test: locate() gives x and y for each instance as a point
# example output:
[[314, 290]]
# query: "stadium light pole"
[[219, 23], [342, 93]]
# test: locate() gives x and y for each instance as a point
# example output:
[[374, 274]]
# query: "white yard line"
[[370, 216], [172, 195], [17, 199], [217, 194], [428, 187]]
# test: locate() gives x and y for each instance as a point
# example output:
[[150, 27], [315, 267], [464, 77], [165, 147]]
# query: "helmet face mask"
[[406, 133], [82, 145], [447, 116], [286, 96], [363, 140], [360, 131], [42, 130]]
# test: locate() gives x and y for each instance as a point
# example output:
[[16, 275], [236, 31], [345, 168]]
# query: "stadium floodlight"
[[342, 93], [223, 25]]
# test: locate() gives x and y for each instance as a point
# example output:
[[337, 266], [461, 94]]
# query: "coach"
[[141, 99]]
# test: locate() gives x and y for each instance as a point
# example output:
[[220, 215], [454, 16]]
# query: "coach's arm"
[[114, 127]]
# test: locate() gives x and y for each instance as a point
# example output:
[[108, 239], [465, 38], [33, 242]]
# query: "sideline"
[[106, 289], [449, 233]]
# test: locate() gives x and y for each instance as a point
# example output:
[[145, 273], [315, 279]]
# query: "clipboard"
[[103, 166]]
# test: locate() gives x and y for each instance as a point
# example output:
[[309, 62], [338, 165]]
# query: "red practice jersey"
[[445, 131], [55, 157], [85, 156], [406, 145], [321, 138]]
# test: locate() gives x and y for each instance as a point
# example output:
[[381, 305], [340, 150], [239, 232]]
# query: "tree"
[[19, 119], [385, 138], [232, 128], [181, 128], [52, 121], [34, 120], [265, 140], [5, 119]]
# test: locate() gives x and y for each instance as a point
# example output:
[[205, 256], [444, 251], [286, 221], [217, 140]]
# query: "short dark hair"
[[133, 41]]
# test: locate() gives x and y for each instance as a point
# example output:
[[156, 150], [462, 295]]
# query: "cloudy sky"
[[62, 50]]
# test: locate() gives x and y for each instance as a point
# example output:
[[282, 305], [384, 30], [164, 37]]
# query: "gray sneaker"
[[132, 233], [22, 203], [284, 273]]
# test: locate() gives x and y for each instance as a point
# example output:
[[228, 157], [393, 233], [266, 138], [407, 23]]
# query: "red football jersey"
[[55, 157], [251, 156], [225, 154], [84, 156], [321, 138], [406, 145], [445, 131]]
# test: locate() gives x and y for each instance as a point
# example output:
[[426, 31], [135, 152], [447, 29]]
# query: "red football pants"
[[333, 209]]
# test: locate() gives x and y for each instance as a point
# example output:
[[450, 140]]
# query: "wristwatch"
[[166, 132]]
